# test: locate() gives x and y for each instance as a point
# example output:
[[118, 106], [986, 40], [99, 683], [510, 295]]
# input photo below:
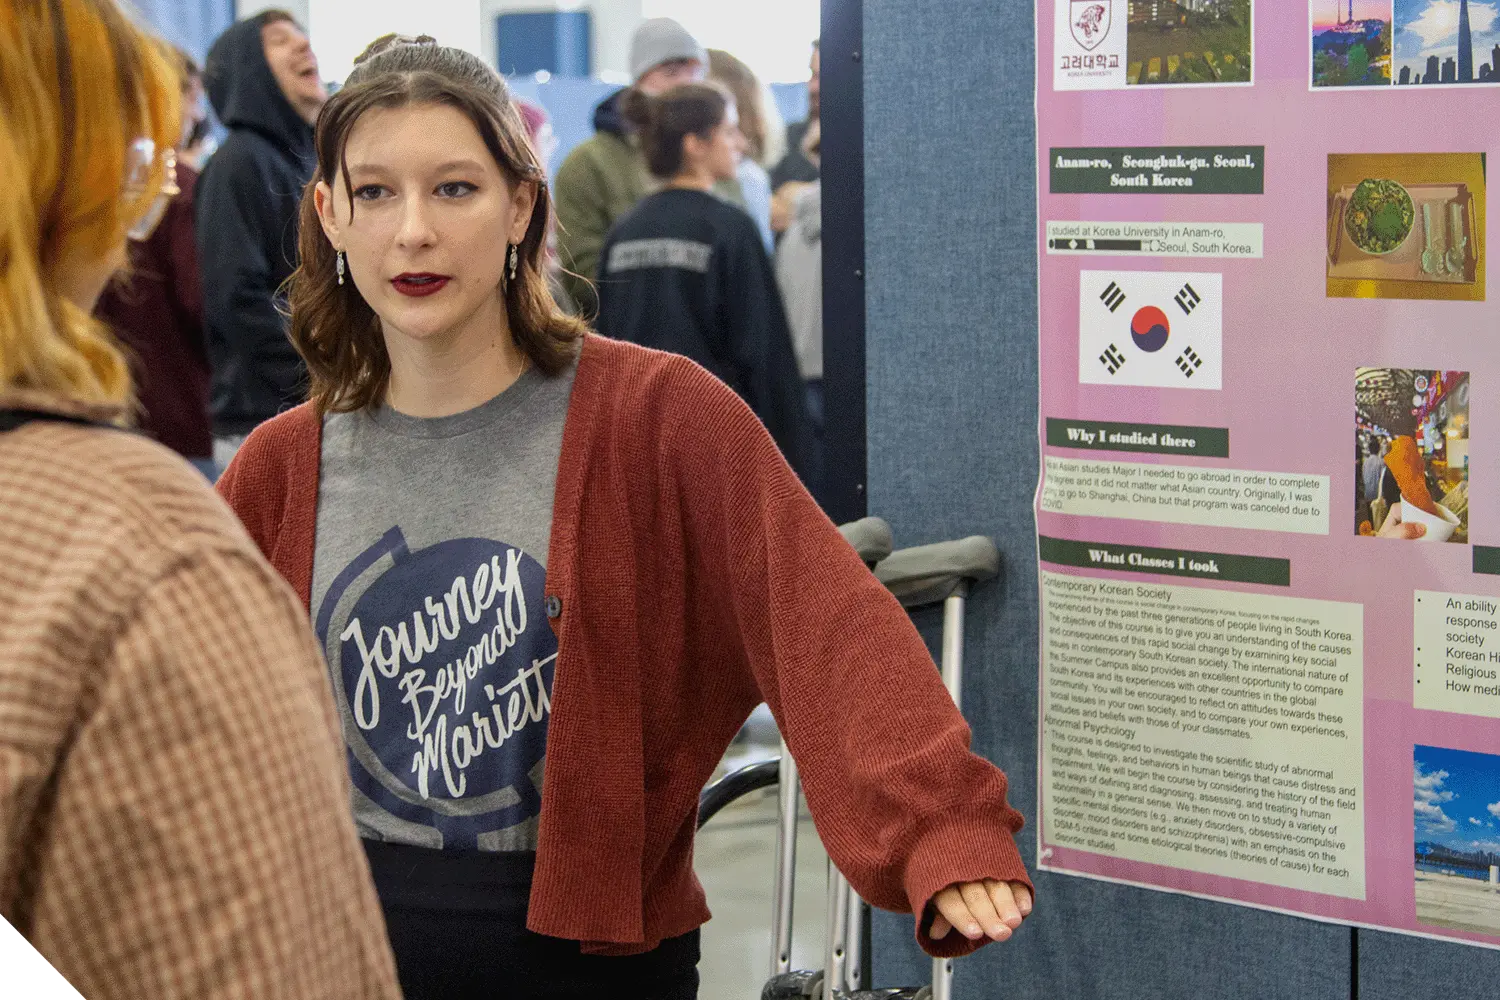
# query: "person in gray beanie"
[[606, 176], [661, 44]]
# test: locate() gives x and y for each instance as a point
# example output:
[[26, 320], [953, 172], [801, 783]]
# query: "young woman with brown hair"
[[524, 545]]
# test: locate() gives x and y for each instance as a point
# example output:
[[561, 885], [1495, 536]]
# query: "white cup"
[[1439, 529]]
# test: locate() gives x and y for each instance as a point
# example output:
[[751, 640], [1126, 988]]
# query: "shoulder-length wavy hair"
[[332, 326], [79, 83]]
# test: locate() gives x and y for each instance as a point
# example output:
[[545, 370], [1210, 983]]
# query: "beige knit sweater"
[[174, 817]]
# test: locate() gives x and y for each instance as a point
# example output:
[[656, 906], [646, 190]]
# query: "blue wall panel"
[[191, 24], [950, 243], [1399, 967], [557, 42]]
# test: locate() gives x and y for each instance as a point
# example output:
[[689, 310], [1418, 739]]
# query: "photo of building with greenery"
[[1189, 41]]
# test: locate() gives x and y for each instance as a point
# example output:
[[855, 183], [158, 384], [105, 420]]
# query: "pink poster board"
[[1265, 350]]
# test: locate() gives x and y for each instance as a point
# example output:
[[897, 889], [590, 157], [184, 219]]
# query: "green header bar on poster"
[[1155, 439], [1158, 169], [1487, 560], [1167, 562]]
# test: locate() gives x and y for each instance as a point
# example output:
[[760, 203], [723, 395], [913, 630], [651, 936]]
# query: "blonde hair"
[[78, 84], [760, 120]]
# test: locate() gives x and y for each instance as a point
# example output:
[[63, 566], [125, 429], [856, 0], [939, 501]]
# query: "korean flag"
[[1155, 328]]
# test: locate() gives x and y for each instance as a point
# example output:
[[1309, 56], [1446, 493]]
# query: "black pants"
[[457, 923]]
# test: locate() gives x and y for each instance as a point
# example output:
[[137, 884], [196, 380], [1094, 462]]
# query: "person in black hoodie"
[[262, 78], [687, 272]]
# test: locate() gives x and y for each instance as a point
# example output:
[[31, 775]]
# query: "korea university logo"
[[1088, 45], [1150, 328], [1090, 21]]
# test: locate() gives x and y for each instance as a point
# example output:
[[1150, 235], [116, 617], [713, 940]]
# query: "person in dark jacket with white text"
[[686, 272], [262, 78]]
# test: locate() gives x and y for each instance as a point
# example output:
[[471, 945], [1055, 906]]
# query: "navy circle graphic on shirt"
[[445, 664]]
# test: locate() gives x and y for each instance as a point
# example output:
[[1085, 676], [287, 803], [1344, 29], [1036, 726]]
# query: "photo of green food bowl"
[[1379, 216]]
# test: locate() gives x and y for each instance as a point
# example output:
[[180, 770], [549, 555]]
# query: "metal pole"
[[835, 973], [866, 948], [854, 936], [953, 680], [942, 979], [953, 645], [786, 864]]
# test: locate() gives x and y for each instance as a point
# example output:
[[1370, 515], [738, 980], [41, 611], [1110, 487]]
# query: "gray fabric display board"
[[950, 254]]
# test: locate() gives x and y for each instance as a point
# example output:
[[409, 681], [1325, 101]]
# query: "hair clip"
[[387, 42]]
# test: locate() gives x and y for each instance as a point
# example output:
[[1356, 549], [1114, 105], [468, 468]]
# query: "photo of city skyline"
[[1447, 42], [1456, 838]]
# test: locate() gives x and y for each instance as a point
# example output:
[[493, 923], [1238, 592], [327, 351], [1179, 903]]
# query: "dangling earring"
[[339, 266], [513, 262]]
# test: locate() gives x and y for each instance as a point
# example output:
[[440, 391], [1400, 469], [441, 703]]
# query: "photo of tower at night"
[[1353, 48], [1447, 42]]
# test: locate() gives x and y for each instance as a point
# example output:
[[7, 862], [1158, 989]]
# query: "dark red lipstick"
[[418, 285]]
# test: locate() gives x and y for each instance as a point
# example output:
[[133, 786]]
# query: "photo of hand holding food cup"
[[1412, 454], [1418, 515]]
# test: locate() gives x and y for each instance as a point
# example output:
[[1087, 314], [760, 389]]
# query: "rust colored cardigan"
[[697, 577]]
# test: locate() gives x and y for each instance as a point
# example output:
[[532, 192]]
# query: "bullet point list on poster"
[[1459, 653]]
